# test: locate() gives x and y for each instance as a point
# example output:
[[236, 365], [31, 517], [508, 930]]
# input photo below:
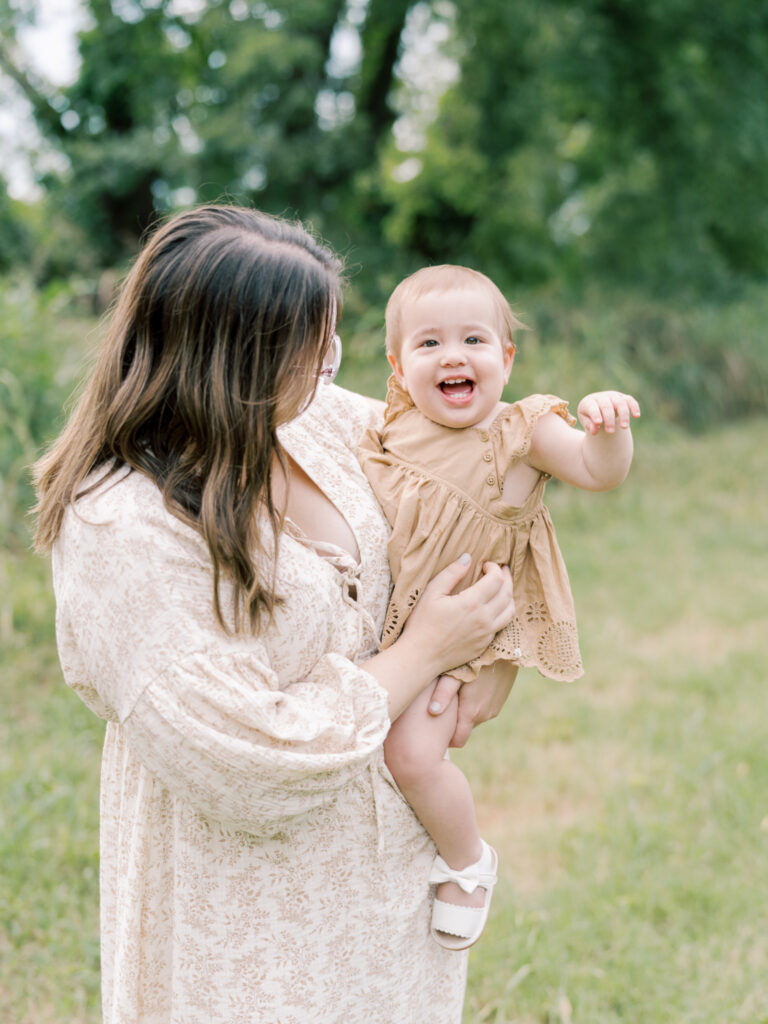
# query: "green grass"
[[50, 747], [630, 809]]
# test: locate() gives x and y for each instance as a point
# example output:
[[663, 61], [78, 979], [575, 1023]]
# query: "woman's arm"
[[376, 405], [596, 460], [203, 710]]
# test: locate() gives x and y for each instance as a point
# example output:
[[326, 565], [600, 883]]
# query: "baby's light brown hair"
[[443, 278]]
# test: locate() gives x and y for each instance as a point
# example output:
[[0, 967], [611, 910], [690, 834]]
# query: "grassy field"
[[630, 809]]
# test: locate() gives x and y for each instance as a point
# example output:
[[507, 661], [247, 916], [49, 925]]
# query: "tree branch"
[[383, 28]]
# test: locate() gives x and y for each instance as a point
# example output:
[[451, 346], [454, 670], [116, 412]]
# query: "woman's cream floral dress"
[[257, 862]]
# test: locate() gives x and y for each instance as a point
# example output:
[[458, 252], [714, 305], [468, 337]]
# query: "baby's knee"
[[407, 759]]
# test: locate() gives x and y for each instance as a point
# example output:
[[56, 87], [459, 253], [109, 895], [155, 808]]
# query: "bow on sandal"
[[456, 927]]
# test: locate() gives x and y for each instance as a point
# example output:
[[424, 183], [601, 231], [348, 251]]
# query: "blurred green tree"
[[15, 236], [609, 137], [113, 125], [600, 138], [234, 99]]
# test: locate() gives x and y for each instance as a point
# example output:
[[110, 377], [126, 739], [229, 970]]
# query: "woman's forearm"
[[403, 670]]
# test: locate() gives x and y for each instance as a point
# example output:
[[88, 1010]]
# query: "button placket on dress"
[[489, 458], [491, 480]]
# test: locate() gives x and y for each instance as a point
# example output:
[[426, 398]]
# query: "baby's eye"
[[473, 340], [429, 342]]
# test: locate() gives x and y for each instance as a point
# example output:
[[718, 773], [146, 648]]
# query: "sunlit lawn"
[[50, 747], [630, 809]]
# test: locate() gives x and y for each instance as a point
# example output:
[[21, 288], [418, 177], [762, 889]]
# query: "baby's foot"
[[450, 892], [458, 916]]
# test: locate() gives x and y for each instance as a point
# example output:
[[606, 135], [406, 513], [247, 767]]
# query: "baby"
[[459, 472]]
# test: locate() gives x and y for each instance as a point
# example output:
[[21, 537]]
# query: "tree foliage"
[[612, 138], [606, 136], [15, 236]]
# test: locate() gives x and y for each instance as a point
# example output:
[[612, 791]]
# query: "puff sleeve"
[[204, 711]]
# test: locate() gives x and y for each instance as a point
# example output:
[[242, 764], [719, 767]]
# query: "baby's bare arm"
[[596, 460]]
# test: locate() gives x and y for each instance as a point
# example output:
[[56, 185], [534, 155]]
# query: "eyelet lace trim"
[[532, 638], [557, 650], [396, 618]]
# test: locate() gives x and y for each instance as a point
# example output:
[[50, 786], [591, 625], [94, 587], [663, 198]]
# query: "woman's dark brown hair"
[[217, 337]]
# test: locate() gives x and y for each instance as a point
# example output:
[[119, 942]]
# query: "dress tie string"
[[349, 579]]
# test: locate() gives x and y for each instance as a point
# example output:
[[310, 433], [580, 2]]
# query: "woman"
[[221, 578]]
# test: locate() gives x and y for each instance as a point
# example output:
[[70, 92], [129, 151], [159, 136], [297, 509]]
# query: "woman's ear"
[[509, 358]]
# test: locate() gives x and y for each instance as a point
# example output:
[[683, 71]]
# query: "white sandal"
[[455, 927]]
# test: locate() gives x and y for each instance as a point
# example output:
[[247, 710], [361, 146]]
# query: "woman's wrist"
[[403, 670], [425, 658]]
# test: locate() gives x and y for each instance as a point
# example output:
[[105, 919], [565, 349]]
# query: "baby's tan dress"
[[441, 489]]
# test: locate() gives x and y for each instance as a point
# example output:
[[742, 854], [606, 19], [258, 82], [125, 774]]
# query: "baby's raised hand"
[[606, 409]]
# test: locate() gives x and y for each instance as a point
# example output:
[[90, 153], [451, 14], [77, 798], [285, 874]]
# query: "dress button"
[[484, 436], [491, 480], [487, 456], [517, 653]]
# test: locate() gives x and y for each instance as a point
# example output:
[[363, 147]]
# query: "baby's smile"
[[457, 389]]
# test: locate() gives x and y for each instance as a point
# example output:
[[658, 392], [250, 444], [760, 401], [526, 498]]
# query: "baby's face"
[[452, 359]]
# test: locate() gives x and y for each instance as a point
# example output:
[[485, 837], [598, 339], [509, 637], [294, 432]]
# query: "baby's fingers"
[[606, 409], [590, 415], [609, 404], [634, 406], [625, 407]]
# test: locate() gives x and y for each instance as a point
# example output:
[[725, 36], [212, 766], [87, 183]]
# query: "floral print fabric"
[[258, 863]]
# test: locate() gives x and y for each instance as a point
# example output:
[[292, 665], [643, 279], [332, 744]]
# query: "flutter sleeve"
[[202, 709], [518, 426]]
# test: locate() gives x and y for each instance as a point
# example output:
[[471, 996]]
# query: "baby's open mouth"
[[457, 387]]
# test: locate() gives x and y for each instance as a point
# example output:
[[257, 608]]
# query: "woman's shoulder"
[[336, 414], [110, 494], [123, 509]]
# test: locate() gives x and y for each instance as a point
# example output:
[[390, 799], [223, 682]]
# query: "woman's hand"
[[483, 698], [479, 701], [450, 629], [443, 630]]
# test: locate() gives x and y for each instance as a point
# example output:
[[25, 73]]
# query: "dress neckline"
[[335, 554]]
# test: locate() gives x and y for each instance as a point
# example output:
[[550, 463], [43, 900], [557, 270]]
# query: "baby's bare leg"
[[436, 789]]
